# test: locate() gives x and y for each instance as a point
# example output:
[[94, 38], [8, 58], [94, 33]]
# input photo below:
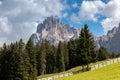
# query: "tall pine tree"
[[60, 58], [50, 58], [32, 59], [86, 47], [5, 63], [72, 53], [38, 54], [66, 57], [23, 63], [42, 57], [103, 54]]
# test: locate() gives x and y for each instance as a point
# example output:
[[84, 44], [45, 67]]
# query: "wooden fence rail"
[[94, 67]]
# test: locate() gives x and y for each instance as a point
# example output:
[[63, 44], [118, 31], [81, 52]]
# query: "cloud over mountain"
[[19, 18], [93, 10]]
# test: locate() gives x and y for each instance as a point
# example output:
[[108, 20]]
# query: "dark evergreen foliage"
[[65, 54], [13, 63], [60, 64], [86, 48], [103, 54], [30, 49], [24, 62], [72, 53]]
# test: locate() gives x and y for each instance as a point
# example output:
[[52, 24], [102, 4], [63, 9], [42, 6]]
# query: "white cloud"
[[109, 23], [112, 11], [18, 17], [74, 18], [5, 26], [75, 5], [90, 9], [65, 15]]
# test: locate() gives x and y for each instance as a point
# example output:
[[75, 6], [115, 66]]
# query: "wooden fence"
[[108, 62], [96, 66], [57, 76]]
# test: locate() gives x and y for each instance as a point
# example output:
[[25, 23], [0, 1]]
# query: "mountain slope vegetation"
[[111, 72]]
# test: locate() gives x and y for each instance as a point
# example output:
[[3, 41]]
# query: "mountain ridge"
[[111, 40], [54, 31]]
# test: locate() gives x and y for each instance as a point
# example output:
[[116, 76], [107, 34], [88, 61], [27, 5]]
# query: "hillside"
[[111, 72]]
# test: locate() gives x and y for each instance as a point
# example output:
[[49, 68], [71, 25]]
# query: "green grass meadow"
[[70, 70], [111, 72]]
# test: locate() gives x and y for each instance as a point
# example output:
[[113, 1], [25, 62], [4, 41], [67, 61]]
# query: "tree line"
[[20, 61]]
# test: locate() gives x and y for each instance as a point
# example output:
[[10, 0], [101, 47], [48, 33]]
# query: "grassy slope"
[[111, 72], [71, 70]]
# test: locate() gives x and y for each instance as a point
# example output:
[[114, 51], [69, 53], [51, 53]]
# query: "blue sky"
[[95, 26], [19, 18]]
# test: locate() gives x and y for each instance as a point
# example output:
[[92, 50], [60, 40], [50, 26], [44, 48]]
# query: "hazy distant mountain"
[[111, 41], [54, 31]]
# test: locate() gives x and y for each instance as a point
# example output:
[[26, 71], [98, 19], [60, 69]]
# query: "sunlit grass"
[[111, 72], [70, 70]]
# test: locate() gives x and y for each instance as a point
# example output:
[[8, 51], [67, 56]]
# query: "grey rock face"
[[52, 30], [111, 41]]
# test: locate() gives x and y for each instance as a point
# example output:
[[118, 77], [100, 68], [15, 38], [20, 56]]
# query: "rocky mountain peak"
[[49, 22], [54, 31], [111, 40], [112, 32]]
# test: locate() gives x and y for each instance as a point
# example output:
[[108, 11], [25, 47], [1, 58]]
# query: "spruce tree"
[[12, 62], [72, 53], [17, 64], [23, 63], [38, 54], [4, 63], [102, 54], [60, 58], [42, 53], [50, 58], [86, 47], [32, 59], [53, 62], [113, 55], [17, 67], [66, 57]]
